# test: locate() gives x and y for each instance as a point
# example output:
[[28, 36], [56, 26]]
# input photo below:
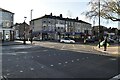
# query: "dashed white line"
[[38, 56], [51, 65], [31, 69], [72, 60], [45, 50], [66, 62], [21, 71], [17, 65], [42, 66], [8, 74], [77, 59], [59, 63]]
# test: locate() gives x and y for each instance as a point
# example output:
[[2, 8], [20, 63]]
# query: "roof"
[[21, 24], [6, 11], [60, 18]]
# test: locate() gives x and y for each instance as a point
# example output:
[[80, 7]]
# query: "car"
[[90, 40], [67, 40], [111, 40], [118, 40]]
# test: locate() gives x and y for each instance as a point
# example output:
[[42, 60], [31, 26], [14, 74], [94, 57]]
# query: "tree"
[[109, 9]]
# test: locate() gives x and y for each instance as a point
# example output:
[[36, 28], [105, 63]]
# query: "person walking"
[[105, 44]]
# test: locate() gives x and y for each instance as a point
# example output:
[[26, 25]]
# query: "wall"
[[37, 24]]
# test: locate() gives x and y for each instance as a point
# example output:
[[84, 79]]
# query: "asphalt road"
[[36, 61]]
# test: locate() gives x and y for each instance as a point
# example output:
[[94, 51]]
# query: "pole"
[[31, 28], [24, 41], [99, 25]]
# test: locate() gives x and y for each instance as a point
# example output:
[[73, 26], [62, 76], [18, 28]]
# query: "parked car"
[[90, 40], [118, 40], [111, 40], [67, 40]]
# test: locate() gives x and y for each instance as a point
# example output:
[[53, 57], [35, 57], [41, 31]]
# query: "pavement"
[[112, 50]]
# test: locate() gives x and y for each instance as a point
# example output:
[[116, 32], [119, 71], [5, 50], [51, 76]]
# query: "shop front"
[[7, 35]]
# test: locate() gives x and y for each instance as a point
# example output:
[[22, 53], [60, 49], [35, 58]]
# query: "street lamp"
[[31, 27], [99, 24], [24, 41]]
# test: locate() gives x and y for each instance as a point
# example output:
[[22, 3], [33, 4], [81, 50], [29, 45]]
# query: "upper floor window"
[[62, 28], [58, 27], [44, 21]]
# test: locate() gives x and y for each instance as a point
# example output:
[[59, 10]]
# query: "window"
[[49, 22], [61, 27], [44, 27], [44, 21], [58, 27]]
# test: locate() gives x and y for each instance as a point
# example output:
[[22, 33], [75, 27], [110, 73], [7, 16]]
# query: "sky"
[[68, 8]]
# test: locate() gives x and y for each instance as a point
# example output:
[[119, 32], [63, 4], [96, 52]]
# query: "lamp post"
[[24, 41], [31, 27], [99, 24]]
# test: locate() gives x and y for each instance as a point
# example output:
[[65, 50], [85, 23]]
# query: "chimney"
[[60, 15], [76, 18], [50, 14]]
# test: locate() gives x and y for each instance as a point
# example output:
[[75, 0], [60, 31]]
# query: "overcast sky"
[[69, 8]]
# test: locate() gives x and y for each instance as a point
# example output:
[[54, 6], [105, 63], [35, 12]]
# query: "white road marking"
[[113, 59], [45, 50], [63, 47], [59, 63], [21, 71], [115, 77], [31, 69], [74, 46], [17, 65], [66, 62], [72, 60], [38, 56], [77, 59], [8, 74], [51, 65], [42, 66]]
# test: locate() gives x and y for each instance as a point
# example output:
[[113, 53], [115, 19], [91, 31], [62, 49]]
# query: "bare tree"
[[109, 9]]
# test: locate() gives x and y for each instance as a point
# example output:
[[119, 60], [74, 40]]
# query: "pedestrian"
[[31, 39], [105, 44]]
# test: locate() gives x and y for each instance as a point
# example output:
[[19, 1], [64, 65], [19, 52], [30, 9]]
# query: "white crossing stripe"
[[116, 77]]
